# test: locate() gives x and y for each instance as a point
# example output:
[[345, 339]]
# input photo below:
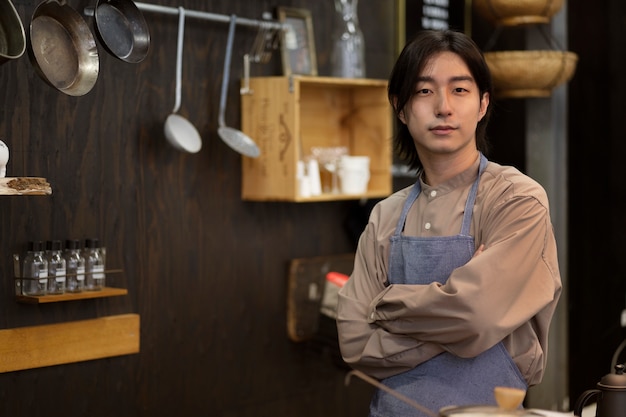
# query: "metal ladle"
[[234, 138], [178, 130]]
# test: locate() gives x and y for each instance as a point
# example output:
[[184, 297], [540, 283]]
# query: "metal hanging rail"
[[208, 16]]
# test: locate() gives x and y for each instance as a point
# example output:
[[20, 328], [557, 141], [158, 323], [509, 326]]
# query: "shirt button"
[[427, 226], [433, 193]]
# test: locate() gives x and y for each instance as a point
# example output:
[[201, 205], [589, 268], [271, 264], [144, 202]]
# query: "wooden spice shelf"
[[56, 344], [68, 296]]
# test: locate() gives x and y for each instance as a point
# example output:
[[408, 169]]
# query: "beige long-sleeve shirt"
[[507, 293]]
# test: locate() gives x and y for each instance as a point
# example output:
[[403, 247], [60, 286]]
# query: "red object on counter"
[[337, 278]]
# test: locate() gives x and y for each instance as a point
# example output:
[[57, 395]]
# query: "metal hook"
[[246, 76]]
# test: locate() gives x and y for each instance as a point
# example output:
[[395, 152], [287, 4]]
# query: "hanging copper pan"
[[62, 48], [12, 37]]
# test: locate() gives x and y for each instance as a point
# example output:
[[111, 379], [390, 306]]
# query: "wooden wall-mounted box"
[[287, 116]]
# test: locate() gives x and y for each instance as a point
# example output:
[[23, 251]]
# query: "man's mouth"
[[442, 129]]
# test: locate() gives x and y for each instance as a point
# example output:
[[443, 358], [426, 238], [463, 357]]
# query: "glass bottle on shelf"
[[75, 266], [34, 271], [56, 267], [94, 265], [348, 54]]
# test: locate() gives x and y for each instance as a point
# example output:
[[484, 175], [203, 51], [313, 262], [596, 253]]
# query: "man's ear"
[[400, 113], [484, 105]]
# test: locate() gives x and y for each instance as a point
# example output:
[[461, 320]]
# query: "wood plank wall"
[[205, 271]]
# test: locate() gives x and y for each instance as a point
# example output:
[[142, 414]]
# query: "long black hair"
[[409, 66]]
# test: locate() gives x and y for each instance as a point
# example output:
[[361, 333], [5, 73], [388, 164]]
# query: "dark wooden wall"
[[206, 271]]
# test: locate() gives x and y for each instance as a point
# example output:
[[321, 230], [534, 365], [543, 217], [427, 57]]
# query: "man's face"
[[446, 107]]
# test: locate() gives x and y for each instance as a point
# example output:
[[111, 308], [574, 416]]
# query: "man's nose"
[[443, 105]]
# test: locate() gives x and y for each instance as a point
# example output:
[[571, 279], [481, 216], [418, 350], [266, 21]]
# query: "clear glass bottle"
[[348, 55], [75, 266], [94, 265], [56, 267], [34, 270]]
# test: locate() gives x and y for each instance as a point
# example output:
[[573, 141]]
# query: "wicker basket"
[[517, 12], [521, 74]]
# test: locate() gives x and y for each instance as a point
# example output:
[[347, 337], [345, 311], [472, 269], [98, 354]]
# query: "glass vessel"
[[56, 267], [348, 56], [75, 266], [94, 265], [35, 271]]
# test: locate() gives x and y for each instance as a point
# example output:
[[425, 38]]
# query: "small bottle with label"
[[34, 271], [94, 265], [75, 266], [56, 267]]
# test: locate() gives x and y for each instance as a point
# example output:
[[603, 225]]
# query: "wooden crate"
[[287, 116]]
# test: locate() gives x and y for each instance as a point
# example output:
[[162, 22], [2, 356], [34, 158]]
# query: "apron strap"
[[415, 191], [471, 198]]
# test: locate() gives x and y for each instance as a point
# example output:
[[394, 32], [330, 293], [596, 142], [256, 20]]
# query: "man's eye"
[[422, 91]]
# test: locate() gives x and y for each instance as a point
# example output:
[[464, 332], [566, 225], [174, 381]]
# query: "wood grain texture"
[[56, 344]]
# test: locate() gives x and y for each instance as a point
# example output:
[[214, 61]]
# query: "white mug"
[[4, 159]]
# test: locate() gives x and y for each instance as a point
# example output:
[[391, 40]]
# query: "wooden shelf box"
[[287, 116]]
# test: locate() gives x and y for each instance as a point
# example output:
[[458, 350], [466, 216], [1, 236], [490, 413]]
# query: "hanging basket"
[[525, 74], [517, 12]]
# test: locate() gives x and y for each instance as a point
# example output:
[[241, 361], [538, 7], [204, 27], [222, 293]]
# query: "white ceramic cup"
[[313, 171], [4, 159], [354, 173]]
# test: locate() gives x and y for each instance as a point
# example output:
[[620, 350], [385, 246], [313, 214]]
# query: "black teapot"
[[611, 395]]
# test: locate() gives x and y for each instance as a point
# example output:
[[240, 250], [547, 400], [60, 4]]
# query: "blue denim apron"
[[445, 379]]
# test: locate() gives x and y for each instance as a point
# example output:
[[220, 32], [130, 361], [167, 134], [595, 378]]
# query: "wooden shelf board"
[[21, 186], [56, 344], [68, 296]]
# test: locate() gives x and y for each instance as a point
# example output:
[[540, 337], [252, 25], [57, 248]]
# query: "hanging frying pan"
[[12, 36], [122, 29], [62, 48]]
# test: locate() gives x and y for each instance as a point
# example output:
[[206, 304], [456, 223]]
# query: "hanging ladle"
[[178, 130], [234, 138]]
